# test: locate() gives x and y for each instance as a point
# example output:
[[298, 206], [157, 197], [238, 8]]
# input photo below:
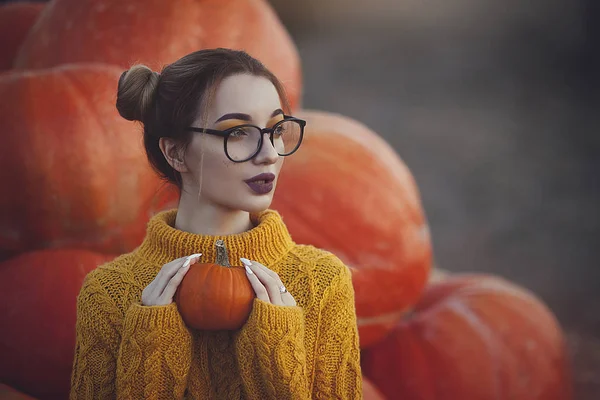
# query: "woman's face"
[[239, 99]]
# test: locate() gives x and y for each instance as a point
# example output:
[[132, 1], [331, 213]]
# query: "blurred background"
[[493, 106]]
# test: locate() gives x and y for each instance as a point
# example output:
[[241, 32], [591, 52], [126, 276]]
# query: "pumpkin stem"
[[222, 257]]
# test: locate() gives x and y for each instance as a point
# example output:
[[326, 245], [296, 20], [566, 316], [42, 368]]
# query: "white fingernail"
[[248, 270], [246, 261], [189, 259]]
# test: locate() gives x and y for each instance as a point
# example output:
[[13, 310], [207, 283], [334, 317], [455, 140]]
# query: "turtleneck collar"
[[266, 243]]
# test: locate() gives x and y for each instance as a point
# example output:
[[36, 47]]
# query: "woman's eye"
[[239, 132], [279, 130]]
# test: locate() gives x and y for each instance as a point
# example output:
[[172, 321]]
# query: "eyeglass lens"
[[243, 143]]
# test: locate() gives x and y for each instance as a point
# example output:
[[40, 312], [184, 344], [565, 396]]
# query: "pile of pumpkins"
[[83, 192]]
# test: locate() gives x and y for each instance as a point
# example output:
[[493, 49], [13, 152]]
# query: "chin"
[[257, 205]]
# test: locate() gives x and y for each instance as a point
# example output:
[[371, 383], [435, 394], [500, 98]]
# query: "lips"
[[262, 183]]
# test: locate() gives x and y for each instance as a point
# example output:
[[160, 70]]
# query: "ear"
[[173, 154]]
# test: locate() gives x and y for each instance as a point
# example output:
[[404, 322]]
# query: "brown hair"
[[167, 103]]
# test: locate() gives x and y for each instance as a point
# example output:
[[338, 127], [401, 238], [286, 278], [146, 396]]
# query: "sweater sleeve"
[[337, 359], [147, 355], [271, 354]]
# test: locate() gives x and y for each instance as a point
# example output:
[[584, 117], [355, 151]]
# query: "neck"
[[266, 242], [206, 218]]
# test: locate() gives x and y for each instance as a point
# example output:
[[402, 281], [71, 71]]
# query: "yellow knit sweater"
[[128, 351]]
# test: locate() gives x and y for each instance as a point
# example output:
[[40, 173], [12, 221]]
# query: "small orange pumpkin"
[[215, 296]]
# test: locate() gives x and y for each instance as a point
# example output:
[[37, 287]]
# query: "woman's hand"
[[161, 290], [267, 285]]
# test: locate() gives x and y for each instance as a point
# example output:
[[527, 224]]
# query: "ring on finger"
[[282, 289]]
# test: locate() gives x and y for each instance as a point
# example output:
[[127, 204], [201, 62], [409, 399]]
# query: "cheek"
[[221, 178], [206, 156], [219, 171], [206, 162], [279, 165]]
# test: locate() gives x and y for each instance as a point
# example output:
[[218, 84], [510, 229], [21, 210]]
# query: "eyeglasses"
[[243, 142]]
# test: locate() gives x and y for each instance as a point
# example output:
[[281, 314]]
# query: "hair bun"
[[137, 87]]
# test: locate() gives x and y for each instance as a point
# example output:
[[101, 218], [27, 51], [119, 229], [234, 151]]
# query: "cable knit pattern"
[[128, 351]]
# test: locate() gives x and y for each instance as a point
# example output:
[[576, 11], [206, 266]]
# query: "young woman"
[[217, 125]]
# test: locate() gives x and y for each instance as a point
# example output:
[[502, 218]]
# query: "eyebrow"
[[245, 117]]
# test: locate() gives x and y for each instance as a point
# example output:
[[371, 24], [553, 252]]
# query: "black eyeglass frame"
[[227, 132]]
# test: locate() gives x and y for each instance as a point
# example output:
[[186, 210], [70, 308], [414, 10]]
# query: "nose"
[[267, 153]]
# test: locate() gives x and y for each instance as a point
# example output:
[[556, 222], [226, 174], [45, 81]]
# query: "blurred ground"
[[491, 105]]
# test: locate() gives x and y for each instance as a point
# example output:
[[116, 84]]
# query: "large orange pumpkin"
[[370, 392], [346, 190], [9, 393], [77, 172], [473, 337], [158, 32], [38, 293], [15, 21]]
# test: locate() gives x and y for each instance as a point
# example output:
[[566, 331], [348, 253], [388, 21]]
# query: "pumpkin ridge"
[[545, 339], [231, 291], [320, 234], [383, 318], [158, 33], [476, 336], [91, 108], [483, 331]]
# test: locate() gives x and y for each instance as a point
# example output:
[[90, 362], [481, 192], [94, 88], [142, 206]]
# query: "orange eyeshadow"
[[230, 123], [275, 120]]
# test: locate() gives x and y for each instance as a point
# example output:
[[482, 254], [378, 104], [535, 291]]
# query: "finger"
[[175, 281], [259, 288], [153, 291], [288, 299], [171, 270], [175, 264], [271, 273], [268, 282]]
